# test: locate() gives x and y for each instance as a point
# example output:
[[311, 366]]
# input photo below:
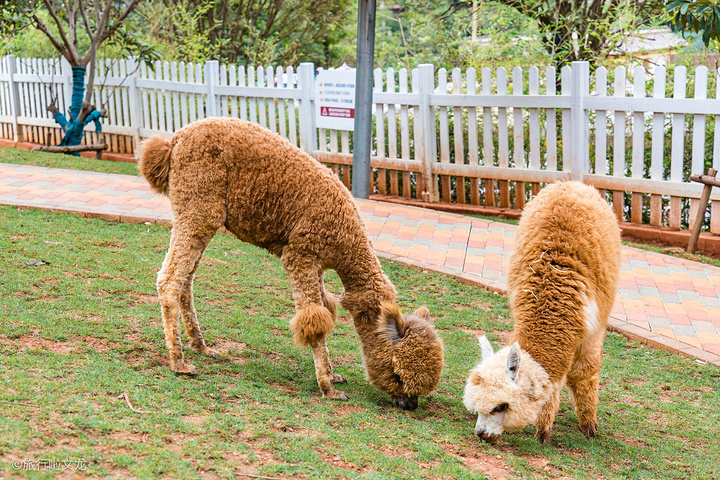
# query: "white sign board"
[[335, 99]]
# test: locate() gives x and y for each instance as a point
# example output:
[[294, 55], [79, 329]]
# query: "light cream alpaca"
[[562, 283]]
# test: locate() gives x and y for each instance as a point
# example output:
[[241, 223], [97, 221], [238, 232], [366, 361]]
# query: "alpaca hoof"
[[589, 430], [543, 436], [212, 353], [336, 395], [409, 402], [185, 369], [205, 350], [338, 378]]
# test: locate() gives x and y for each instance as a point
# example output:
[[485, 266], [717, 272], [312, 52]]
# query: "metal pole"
[[362, 140]]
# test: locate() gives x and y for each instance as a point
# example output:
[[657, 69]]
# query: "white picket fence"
[[485, 138]]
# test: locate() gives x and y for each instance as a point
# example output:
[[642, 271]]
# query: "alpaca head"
[[507, 390], [405, 358]]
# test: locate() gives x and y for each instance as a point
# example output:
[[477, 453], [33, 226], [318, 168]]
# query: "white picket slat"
[[601, 124], [638, 125], [565, 86], [534, 119]]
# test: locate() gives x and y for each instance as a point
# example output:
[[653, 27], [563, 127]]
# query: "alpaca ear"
[[423, 313], [513, 362], [485, 348], [391, 325]]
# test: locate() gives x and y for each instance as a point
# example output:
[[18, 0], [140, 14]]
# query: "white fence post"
[[134, 99], [306, 83], [426, 149], [579, 159], [212, 78], [14, 96], [67, 81]]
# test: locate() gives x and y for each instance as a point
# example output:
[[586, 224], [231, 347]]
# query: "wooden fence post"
[[14, 96], [709, 181], [578, 120], [426, 149], [212, 79], [306, 84]]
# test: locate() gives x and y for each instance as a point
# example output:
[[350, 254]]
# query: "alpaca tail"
[[155, 162]]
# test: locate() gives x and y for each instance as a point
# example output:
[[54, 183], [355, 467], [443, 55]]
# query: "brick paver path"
[[662, 300]]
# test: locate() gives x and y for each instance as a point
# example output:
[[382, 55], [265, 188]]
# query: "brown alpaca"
[[223, 172], [562, 282]]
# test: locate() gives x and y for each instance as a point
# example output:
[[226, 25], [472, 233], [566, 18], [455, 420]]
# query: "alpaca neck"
[[534, 379], [360, 270], [364, 293]]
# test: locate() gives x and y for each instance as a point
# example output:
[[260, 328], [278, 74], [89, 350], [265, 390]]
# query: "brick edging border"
[[631, 332]]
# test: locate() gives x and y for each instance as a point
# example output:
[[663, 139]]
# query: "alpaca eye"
[[500, 408]]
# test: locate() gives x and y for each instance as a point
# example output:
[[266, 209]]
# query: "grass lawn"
[[83, 329], [55, 160]]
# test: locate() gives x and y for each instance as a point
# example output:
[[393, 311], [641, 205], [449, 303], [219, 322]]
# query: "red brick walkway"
[[662, 300]]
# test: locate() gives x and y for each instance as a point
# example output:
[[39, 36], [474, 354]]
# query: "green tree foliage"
[[699, 16], [12, 17], [600, 26], [251, 31], [439, 32]]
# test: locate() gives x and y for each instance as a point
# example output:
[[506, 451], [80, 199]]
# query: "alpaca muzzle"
[[486, 436]]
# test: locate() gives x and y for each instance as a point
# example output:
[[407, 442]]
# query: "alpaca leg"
[[313, 320], [331, 304], [186, 246], [545, 421], [324, 373], [583, 380], [189, 316]]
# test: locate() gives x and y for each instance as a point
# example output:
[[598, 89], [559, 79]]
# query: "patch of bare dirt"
[[338, 462], [477, 305], [395, 452], [99, 344], [89, 318], [115, 277], [210, 261], [221, 301], [109, 244], [491, 465], [342, 409], [277, 332], [344, 319], [143, 299], [231, 349], [34, 342], [129, 437], [18, 236], [543, 465], [505, 335], [285, 388], [196, 420]]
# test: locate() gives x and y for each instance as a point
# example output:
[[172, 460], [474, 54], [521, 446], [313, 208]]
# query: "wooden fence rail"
[[486, 137]]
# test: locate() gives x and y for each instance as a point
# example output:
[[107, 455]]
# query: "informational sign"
[[335, 99]]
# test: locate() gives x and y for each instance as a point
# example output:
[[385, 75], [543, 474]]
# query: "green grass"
[[675, 252], [56, 160], [85, 328], [510, 221]]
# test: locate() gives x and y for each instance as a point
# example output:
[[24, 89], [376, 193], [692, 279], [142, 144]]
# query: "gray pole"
[[362, 141]]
